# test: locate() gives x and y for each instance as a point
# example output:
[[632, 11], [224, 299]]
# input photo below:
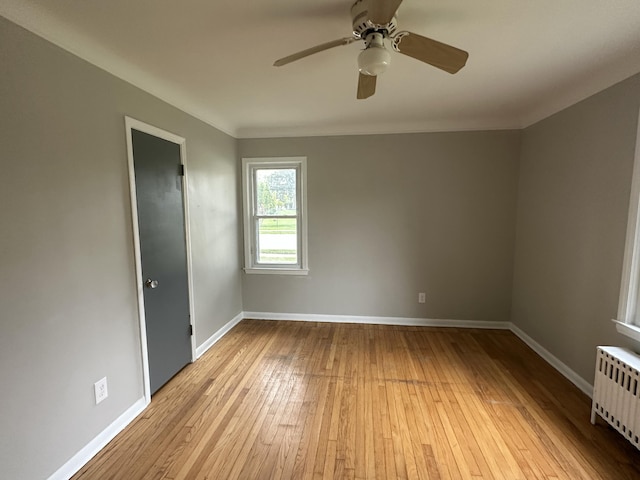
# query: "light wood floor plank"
[[295, 400]]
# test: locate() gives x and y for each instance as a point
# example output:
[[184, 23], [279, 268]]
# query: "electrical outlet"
[[422, 297], [100, 388]]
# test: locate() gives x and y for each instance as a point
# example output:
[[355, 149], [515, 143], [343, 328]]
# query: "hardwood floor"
[[297, 400]]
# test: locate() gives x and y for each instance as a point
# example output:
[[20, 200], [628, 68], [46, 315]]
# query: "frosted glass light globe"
[[374, 60]]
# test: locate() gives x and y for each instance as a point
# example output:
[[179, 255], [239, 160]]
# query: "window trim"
[[249, 166], [628, 306]]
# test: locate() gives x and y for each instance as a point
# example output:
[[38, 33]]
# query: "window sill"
[[628, 330], [277, 271]]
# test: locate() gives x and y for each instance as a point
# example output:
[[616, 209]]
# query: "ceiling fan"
[[374, 21]]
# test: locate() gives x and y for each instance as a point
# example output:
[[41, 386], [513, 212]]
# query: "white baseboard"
[[554, 361], [208, 343], [404, 321], [79, 460]]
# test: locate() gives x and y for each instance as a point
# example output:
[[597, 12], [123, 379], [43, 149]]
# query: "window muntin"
[[275, 217]]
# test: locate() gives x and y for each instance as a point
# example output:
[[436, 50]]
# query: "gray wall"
[[394, 215], [67, 295], [575, 181]]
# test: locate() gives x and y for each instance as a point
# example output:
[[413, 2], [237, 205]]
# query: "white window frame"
[[628, 321], [249, 166]]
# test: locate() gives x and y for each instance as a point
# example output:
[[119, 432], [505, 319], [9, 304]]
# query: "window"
[[628, 321], [275, 220]]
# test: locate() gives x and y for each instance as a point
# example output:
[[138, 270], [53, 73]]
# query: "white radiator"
[[616, 391]]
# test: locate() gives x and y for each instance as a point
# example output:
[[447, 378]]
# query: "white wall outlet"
[[100, 388], [422, 297]]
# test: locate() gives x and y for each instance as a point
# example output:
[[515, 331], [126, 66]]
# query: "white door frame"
[[132, 123]]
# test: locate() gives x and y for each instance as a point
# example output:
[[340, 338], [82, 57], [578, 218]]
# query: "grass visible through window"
[[276, 226]]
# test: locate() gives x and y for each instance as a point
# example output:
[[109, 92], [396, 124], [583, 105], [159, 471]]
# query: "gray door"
[[163, 253]]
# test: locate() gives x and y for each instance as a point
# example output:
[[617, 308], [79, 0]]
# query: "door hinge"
[[181, 170], [191, 330]]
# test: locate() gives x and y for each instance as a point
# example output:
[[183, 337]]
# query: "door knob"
[[151, 283]]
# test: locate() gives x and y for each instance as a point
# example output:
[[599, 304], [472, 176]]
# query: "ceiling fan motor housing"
[[363, 26]]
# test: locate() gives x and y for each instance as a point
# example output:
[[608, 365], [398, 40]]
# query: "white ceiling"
[[213, 59]]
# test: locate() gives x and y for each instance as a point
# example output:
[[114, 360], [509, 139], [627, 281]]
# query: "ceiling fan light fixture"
[[374, 22], [374, 60]]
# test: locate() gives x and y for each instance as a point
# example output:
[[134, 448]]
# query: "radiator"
[[616, 391]]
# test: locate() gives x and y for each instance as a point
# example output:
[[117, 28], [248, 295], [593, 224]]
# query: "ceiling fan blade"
[[440, 55], [312, 50], [382, 11], [366, 86]]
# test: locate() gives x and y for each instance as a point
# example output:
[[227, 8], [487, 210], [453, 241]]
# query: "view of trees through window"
[[276, 214]]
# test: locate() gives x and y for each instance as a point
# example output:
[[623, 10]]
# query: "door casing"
[[131, 123]]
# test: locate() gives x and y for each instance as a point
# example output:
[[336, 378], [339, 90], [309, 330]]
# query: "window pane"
[[277, 241], [276, 191]]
